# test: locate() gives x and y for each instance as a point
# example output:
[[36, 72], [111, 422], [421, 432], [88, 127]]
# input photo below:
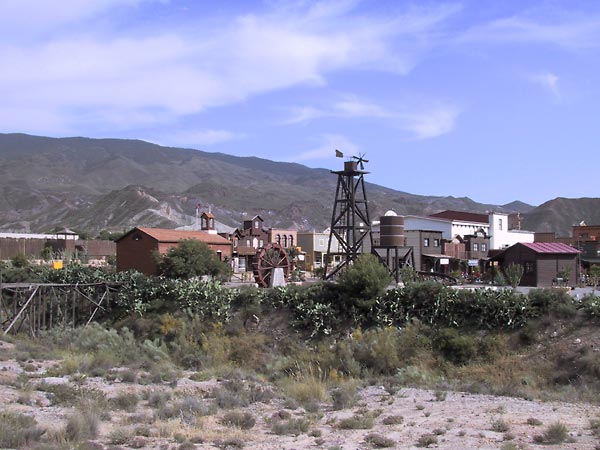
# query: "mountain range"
[[115, 184]]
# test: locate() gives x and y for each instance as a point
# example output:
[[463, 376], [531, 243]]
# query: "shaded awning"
[[439, 256]]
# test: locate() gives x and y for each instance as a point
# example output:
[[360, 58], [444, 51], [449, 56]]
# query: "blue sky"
[[494, 100]]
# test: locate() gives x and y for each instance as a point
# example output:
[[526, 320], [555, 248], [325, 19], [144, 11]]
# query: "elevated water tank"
[[391, 232]]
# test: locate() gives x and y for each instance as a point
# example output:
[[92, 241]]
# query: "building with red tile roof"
[[137, 248]]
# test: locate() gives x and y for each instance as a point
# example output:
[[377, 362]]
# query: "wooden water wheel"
[[270, 257]]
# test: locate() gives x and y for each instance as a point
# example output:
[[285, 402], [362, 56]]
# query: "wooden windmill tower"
[[350, 221]]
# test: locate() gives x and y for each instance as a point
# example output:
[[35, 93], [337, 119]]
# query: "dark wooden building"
[[136, 249], [427, 249], [543, 262]]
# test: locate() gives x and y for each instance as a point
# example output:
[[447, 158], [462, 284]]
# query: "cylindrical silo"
[[391, 232]]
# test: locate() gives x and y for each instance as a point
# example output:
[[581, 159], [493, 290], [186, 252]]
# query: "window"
[[436, 242], [528, 267], [284, 241], [255, 243], [475, 247], [484, 247], [291, 240], [256, 224], [321, 242], [261, 243], [500, 224], [426, 242], [278, 239], [247, 242]]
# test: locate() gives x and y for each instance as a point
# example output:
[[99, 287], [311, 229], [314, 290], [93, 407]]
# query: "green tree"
[[514, 273], [594, 274], [364, 281], [191, 258], [106, 235], [47, 253], [20, 261]]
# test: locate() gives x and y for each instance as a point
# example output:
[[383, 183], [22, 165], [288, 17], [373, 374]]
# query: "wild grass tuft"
[[82, 425], [357, 422], [555, 433], [243, 420], [18, 430], [393, 420], [379, 441], [500, 426], [426, 440], [290, 427]]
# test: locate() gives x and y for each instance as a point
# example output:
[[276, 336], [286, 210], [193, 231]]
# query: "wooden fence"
[[30, 307]]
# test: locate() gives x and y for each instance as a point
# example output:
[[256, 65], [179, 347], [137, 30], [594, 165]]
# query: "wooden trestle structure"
[[34, 307]]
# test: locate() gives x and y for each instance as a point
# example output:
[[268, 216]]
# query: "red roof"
[[166, 235], [550, 247], [462, 216]]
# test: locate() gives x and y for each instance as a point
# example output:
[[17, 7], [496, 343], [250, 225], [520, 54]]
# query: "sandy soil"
[[460, 421]]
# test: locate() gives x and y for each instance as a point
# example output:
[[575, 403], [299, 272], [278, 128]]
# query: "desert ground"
[[237, 412]]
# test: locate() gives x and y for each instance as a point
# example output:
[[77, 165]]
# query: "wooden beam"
[[21, 311]]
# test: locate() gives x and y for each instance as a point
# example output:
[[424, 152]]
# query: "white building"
[[501, 237], [458, 223]]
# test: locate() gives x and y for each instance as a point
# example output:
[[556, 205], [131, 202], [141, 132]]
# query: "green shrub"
[[591, 304], [376, 350], [514, 273], [456, 347], [544, 301], [20, 261], [191, 258], [364, 281]]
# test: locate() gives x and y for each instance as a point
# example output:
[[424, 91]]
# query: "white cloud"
[[348, 107], [422, 122], [352, 107], [326, 150], [548, 81], [20, 18], [568, 31], [103, 74], [430, 123]]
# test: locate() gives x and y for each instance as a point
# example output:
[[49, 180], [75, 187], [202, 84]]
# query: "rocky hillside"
[[94, 184]]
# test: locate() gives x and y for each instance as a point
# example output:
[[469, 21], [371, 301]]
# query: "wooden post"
[[21, 311], [74, 297]]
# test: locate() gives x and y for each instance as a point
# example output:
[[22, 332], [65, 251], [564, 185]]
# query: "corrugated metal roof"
[[549, 247], [462, 216], [166, 235]]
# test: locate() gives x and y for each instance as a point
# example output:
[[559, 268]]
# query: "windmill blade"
[[338, 154]]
